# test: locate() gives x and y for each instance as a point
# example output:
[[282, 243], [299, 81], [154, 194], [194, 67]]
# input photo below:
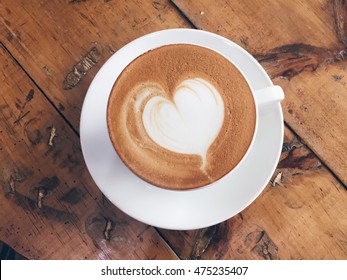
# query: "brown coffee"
[[181, 116]]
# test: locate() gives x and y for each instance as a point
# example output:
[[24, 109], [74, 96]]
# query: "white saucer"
[[181, 210]]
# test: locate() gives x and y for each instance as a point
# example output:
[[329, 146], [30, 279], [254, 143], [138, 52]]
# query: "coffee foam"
[[188, 124], [186, 89]]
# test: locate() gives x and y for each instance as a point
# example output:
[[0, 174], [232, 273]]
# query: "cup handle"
[[268, 95]]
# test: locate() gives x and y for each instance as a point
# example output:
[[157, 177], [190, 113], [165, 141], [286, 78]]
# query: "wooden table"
[[50, 206]]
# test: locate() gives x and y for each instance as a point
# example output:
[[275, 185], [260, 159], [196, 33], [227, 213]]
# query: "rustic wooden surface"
[[50, 52]]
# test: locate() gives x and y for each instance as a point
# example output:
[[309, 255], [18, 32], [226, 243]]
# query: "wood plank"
[[317, 109], [50, 207], [63, 43], [303, 46], [300, 215], [260, 26]]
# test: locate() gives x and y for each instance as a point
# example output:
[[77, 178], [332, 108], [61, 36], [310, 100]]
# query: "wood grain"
[[259, 26], [318, 110], [300, 215], [63, 43], [50, 207], [303, 48]]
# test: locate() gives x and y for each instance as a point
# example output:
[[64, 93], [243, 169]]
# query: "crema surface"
[[181, 116]]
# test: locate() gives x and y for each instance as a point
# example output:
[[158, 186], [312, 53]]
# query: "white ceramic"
[[181, 210]]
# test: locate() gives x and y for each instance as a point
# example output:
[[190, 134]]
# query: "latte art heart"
[[181, 116], [187, 124]]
